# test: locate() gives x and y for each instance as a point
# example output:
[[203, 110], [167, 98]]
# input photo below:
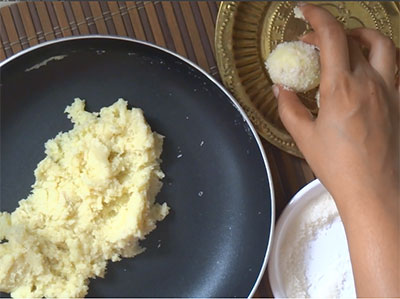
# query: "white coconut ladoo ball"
[[294, 65]]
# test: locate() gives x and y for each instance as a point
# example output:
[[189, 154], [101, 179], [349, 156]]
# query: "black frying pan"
[[215, 241]]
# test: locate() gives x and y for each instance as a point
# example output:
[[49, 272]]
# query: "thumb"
[[294, 115]]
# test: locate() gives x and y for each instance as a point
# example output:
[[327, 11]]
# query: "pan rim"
[[213, 80]]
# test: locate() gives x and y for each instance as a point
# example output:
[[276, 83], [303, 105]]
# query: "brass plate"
[[246, 32]]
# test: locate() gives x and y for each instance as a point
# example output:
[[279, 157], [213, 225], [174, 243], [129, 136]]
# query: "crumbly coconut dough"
[[92, 201], [294, 65]]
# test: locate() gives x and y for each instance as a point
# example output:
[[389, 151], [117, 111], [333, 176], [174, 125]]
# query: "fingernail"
[[301, 3], [300, 37], [275, 90]]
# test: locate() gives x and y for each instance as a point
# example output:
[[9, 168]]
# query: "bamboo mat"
[[183, 27], [186, 28]]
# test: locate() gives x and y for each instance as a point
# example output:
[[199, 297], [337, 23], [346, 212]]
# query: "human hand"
[[353, 143], [355, 137]]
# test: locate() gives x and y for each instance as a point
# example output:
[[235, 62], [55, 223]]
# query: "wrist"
[[368, 205]]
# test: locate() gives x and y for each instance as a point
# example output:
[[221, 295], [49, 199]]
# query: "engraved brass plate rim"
[[243, 36]]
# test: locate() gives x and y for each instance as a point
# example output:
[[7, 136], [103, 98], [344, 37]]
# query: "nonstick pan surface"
[[215, 241]]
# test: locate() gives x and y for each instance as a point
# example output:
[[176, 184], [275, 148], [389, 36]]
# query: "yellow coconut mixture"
[[92, 201]]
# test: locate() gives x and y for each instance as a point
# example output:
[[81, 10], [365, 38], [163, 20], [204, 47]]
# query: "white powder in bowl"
[[314, 255]]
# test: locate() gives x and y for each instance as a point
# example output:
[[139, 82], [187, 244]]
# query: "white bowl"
[[298, 202], [286, 224]]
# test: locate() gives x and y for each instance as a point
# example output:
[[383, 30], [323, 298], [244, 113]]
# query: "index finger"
[[331, 36]]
